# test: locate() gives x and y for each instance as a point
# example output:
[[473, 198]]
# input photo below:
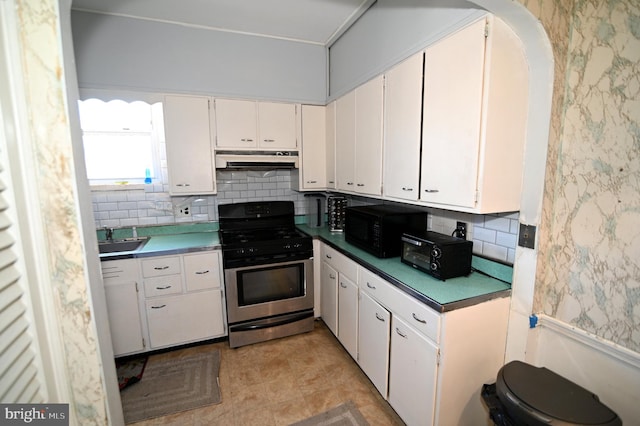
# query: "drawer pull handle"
[[400, 333], [312, 181], [333, 277], [268, 140], [432, 191], [359, 184], [372, 287], [183, 184], [328, 257], [158, 307], [246, 140], [202, 272], [407, 189], [379, 317], [415, 317], [163, 288], [160, 268], [343, 285]]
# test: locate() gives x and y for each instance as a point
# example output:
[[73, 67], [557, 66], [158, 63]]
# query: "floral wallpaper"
[[589, 268]]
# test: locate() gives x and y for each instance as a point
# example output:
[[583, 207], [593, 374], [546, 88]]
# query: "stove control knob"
[[297, 245], [240, 251], [287, 246], [435, 265]]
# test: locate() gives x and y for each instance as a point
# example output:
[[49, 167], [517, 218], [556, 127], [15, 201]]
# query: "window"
[[120, 140]]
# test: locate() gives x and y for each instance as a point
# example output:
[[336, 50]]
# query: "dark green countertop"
[[440, 295]]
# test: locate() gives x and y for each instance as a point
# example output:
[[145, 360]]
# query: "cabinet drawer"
[[340, 262], [119, 271], [202, 270], [157, 266], [414, 312], [160, 286]]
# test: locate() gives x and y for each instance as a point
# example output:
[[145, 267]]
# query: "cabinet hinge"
[[486, 29], [438, 357], [137, 291], [144, 343]]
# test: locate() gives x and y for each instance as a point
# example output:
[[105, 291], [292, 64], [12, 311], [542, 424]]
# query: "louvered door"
[[19, 378]]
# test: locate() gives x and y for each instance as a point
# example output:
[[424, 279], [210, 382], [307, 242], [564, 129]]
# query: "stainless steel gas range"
[[268, 270]]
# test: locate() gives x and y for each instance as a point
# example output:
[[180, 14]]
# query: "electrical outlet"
[[461, 230], [182, 211]]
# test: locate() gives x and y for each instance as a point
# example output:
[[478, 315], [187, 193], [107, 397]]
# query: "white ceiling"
[[310, 21]]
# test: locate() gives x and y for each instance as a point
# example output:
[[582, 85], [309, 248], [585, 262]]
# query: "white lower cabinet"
[[185, 307], [348, 315], [120, 278], [374, 323], [163, 301], [412, 374], [185, 318], [329, 297], [429, 365]]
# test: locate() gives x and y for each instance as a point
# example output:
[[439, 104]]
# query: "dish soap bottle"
[[147, 176]]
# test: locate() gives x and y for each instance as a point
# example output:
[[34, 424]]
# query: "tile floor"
[[284, 381]]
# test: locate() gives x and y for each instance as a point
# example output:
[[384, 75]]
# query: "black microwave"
[[378, 229]]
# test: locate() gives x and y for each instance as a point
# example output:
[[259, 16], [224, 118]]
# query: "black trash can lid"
[[551, 395]]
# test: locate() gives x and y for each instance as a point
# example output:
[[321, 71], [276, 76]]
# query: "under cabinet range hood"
[[256, 160]]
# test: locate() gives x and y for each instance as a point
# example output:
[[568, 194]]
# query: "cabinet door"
[[368, 132], [346, 141], [331, 145], [202, 271], [453, 84], [329, 297], [188, 142], [374, 323], [348, 315], [277, 125], [124, 318], [314, 142], [236, 124], [185, 318], [412, 374], [402, 121]]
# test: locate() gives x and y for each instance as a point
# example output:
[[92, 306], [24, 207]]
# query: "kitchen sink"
[[116, 246]]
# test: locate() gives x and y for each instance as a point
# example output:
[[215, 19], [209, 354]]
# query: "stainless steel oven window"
[[270, 284]]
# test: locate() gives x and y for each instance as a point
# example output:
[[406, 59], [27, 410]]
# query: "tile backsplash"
[[494, 236]]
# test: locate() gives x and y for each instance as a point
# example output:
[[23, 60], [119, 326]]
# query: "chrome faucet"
[[109, 233]]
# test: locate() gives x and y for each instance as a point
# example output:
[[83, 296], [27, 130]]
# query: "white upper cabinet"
[[331, 145], [359, 139], [368, 154], [474, 113], [313, 172], [243, 124], [277, 125], [345, 141], [187, 121], [402, 118], [236, 124]]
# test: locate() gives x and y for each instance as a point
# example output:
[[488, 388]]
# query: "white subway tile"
[[107, 206], [483, 234], [497, 223], [495, 252], [506, 240]]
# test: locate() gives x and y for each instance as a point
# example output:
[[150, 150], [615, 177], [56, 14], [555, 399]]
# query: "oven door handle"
[[268, 324]]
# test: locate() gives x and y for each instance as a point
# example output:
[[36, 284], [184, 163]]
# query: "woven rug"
[[346, 414], [171, 385]]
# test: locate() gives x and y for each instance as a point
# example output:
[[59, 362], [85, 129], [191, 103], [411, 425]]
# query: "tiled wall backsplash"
[[493, 236]]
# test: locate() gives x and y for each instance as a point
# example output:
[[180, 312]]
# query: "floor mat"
[[130, 370]]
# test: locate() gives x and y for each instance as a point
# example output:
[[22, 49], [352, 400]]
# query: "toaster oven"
[[439, 255]]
